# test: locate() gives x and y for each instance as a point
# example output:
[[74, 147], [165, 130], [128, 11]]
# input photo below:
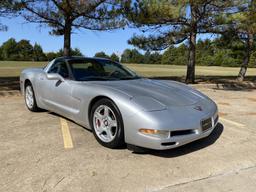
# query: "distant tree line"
[[23, 50], [216, 52]]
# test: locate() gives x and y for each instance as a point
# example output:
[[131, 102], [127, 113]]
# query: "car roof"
[[78, 58]]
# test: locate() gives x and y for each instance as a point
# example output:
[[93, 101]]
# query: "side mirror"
[[54, 76]]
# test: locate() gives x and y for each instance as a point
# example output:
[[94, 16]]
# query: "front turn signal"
[[155, 133]]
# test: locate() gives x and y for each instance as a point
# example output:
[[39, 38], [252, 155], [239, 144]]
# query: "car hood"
[[169, 93]]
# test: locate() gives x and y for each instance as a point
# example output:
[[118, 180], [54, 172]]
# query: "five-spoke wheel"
[[106, 123]]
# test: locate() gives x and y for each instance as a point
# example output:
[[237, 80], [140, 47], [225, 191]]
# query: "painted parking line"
[[67, 140], [232, 122]]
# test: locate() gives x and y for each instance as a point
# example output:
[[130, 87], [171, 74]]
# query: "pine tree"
[[66, 15], [168, 22]]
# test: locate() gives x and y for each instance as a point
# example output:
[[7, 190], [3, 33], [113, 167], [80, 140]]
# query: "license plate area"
[[206, 124]]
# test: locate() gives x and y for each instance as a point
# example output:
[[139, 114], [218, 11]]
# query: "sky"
[[89, 42]]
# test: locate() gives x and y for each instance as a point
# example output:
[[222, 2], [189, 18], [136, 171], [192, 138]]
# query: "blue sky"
[[89, 42]]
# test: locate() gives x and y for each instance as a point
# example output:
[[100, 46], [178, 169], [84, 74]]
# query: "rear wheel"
[[30, 99], [107, 124]]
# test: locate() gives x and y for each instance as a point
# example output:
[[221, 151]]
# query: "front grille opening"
[[182, 132], [169, 143]]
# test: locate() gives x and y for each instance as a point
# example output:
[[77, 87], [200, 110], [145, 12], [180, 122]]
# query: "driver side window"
[[60, 68]]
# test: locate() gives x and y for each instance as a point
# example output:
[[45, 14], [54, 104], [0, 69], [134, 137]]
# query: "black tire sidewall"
[[118, 141]]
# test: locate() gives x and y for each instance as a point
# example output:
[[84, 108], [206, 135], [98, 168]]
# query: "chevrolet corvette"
[[119, 106]]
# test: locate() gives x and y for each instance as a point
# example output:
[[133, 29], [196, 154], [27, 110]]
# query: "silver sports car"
[[119, 106]]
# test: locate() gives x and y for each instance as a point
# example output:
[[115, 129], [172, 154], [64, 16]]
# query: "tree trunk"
[[67, 38], [243, 69], [190, 77]]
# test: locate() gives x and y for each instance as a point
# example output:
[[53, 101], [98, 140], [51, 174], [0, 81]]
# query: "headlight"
[[155, 133]]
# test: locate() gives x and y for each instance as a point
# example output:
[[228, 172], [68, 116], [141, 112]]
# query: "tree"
[[175, 55], [63, 16], [173, 22], [131, 56], [154, 58], [126, 55], [101, 54], [38, 54], [73, 52], [147, 57], [1, 53], [244, 26], [51, 55], [24, 50], [114, 57], [9, 50]]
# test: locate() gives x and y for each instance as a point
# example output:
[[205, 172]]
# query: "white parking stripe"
[[232, 122]]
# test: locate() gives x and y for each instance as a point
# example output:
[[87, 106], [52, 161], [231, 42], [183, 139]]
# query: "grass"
[[13, 69]]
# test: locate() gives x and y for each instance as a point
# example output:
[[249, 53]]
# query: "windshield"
[[99, 69]]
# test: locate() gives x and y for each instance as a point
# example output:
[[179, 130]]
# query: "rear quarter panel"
[[32, 75]]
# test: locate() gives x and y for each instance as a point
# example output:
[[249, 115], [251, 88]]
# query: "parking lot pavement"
[[33, 156]]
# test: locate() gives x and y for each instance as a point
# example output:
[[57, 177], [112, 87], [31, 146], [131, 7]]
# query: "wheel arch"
[[94, 100], [26, 82]]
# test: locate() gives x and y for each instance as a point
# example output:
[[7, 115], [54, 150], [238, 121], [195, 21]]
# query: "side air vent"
[[169, 143]]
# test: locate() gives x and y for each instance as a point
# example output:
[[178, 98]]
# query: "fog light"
[[155, 133]]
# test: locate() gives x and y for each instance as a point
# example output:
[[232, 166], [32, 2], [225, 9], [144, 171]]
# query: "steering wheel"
[[113, 73]]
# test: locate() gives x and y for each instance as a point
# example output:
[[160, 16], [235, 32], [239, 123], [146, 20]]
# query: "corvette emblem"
[[198, 108]]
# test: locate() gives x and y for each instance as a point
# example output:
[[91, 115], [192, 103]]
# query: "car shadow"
[[191, 147]]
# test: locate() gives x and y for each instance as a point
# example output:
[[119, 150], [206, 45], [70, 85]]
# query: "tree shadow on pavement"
[[227, 83], [191, 147]]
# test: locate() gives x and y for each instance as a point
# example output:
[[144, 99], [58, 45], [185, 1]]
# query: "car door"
[[56, 93]]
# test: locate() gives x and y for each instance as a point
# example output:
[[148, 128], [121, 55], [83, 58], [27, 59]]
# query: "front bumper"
[[173, 142], [190, 129]]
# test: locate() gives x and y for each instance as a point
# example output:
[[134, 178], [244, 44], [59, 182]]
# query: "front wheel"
[[30, 99], [107, 124]]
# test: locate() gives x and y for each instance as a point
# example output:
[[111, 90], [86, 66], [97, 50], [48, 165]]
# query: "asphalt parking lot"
[[44, 152]]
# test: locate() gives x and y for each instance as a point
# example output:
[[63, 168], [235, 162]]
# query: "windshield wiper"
[[129, 78], [95, 78]]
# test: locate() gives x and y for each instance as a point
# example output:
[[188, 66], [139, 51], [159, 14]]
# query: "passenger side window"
[[54, 68], [60, 68]]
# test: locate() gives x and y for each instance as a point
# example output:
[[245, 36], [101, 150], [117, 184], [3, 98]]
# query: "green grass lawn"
[[13, 69]]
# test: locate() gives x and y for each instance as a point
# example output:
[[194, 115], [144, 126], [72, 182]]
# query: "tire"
[[107, 124], [30, 98]]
